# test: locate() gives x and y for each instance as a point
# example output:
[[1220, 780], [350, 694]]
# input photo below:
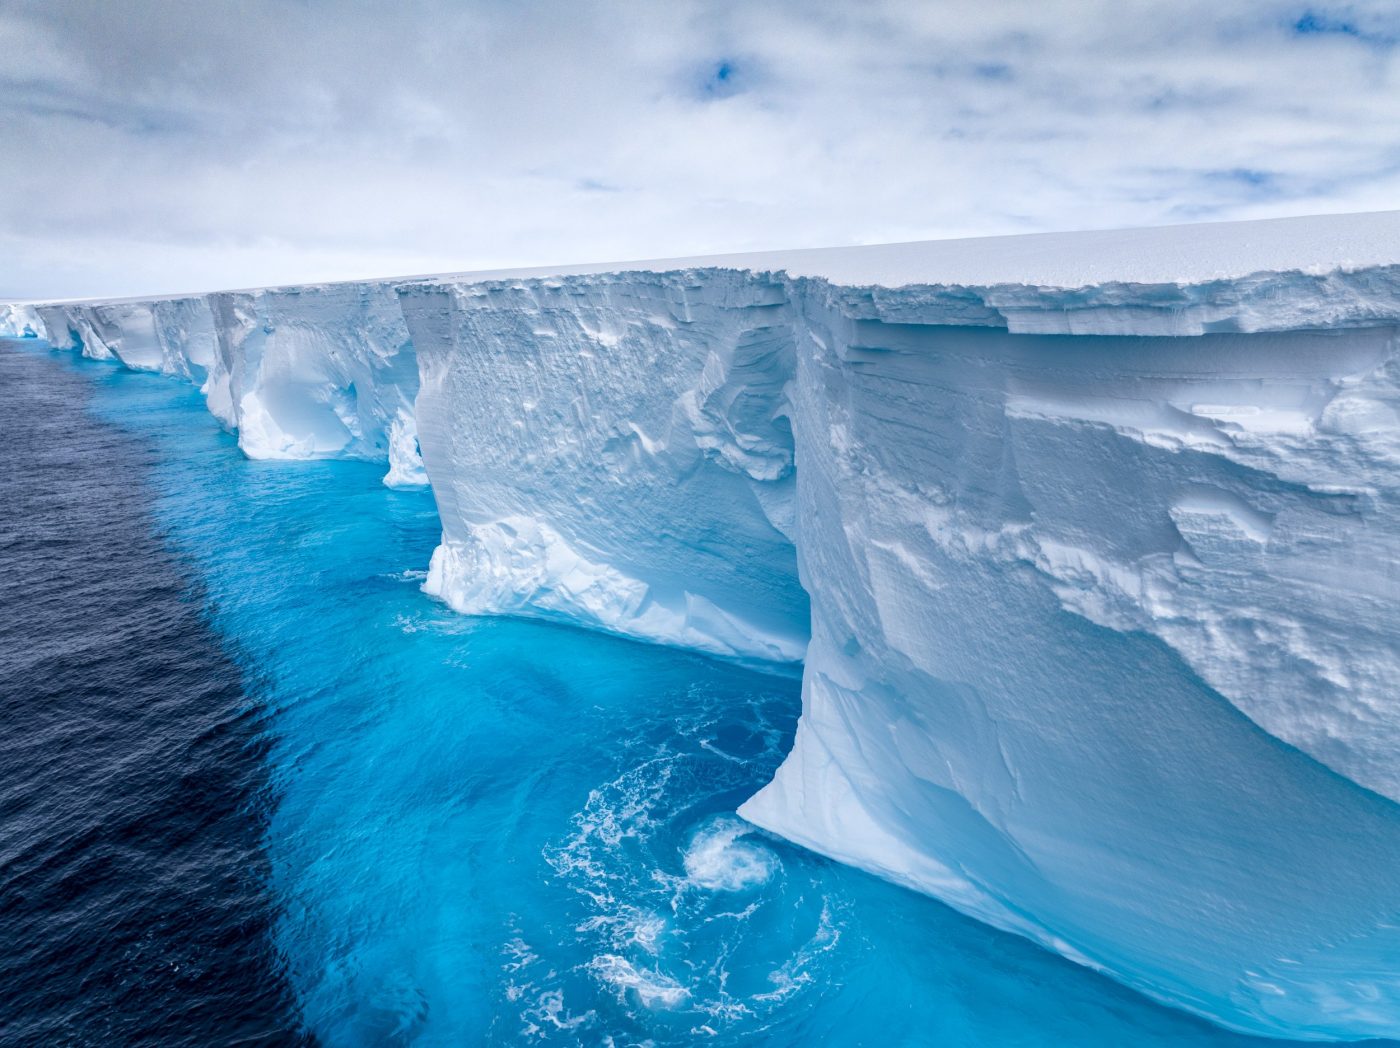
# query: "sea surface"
[[257, 788]]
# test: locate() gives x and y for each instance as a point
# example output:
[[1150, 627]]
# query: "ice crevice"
[[1088, 549]]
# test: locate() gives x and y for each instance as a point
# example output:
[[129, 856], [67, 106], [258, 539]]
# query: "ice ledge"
[[1330, 271]]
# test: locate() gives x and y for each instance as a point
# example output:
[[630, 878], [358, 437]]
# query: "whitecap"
[[653, 989], [721, 859]]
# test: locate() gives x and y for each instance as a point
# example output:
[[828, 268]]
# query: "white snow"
[[312, 372], [321, 372], [1100, 534]]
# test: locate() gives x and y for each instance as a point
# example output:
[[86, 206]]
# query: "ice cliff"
[[322, 371], [1094, 537], [616, 450]]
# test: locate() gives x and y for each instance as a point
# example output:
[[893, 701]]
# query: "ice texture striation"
[[1088, 546], [616, 450], [318, 372], [1059, 585]]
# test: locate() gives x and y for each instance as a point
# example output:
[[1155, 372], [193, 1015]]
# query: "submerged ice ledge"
[[1094, 537]]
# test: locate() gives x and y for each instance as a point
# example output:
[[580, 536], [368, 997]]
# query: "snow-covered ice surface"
[[321, 372], [1099, 534]]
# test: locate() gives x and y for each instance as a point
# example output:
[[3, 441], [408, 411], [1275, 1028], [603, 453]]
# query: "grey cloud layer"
[[150, 146]]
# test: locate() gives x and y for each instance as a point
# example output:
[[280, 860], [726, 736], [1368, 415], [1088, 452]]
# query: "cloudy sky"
[[165, 145]]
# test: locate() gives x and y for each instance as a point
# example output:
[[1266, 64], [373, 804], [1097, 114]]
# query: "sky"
[[161, 145]]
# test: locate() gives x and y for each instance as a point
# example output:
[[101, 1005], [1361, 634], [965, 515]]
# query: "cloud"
[[160, 145]]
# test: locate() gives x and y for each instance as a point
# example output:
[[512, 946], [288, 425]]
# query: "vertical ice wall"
[[1092, 617], [321, 371], [174, 336], [616, 451], [1050, 577], [313, 372], [20, 321]]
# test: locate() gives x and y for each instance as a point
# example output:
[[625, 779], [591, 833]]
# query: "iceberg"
[[1104, 630], [1086, 546]]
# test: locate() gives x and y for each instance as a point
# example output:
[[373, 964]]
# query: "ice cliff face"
[[314, 372], [1059, 585], [173, 336], [20, 321], [1094, 538], [616, 450], [321, 372]]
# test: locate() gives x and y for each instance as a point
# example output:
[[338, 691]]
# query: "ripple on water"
[[688, 915]]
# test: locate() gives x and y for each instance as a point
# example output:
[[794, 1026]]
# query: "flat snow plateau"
[[1087, 544]]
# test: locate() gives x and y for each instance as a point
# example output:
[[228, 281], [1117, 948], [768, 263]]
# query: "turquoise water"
[[493, 831]]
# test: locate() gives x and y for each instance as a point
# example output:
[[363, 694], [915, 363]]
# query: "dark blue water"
[[133, 761], [255, 785]]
